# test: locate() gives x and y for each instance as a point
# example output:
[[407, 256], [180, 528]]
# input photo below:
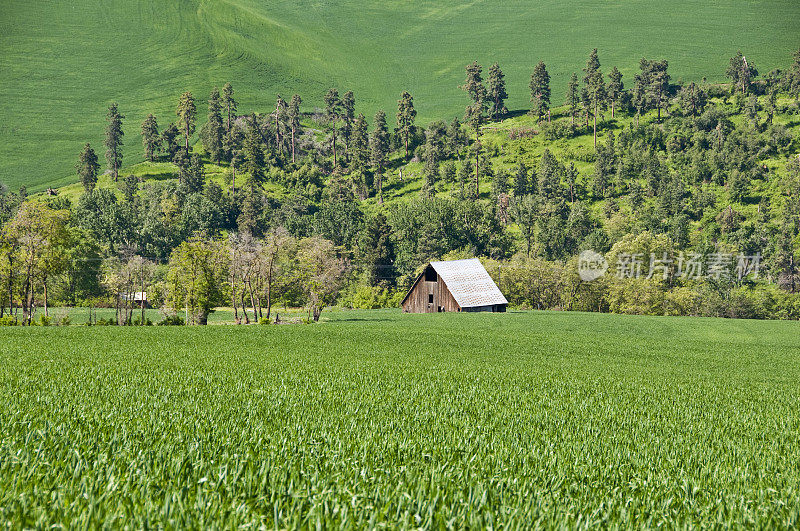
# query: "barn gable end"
[[454, 286]]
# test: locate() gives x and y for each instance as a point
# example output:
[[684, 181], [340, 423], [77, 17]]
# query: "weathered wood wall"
[[417, 301]]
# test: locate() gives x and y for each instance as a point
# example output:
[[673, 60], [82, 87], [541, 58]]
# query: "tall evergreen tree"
[[595, 88], [187, 115], [348, 117], [333, 110], [88, 167], [540, 91], [113, 140], [281, 120], [615, 88], [151, 141], [475, 112], [741, 73], [659, 85], [693, 99], [793, 75], [573, 97], [406, 113], [213, 131], [641, 88], [360, 145], [253, 151], [521, 183], [496, 87], [379, 146], [294, 119], [549, 172], [229, 105], [169, 140]]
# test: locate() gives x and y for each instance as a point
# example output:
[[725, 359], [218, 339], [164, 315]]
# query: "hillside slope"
[[61, 63]]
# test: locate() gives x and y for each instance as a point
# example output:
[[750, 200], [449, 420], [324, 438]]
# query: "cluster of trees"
[[694, 173]]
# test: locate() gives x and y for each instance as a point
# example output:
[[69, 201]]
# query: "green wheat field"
[[378, 418]]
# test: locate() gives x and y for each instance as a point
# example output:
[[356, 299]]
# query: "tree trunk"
[[244, 308], [252, 300], [233, 302], [477, 163], [595, 125], [406, 145], [46, 312], [334, 146], [612, 109], [292, 144]]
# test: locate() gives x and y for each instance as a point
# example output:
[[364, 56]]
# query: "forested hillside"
[[311, 206], [62, 63]]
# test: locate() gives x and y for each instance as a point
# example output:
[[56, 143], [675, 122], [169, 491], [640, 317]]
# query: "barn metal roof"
[[469, 283]]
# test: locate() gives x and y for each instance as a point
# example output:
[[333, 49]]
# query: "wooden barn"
[[454, 286]]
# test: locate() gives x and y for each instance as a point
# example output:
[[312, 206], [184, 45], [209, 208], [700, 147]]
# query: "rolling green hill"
[[61, 63]]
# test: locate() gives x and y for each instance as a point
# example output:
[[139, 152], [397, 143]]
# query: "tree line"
[[692, 171]]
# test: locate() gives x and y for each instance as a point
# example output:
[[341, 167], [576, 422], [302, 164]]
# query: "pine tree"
[[549, 176], [793, 75], [213, 130], [521, 183], [193, 180], [456, 138], [151, 140], [253, 152], [229, 105], [294, 119], [360, 145], [464, 173], [641, 89], [573, 97], [615, 88], [405, 117], [693, 99], [659, 85], [187, 114], [497, 95], [281, 120], [113, 140], [474, 115], [348, 117], [595, 88], [169, 140], [741, 73], [540, 91], [88, 167], [232, 144], [333, 109], [571, 180], [379, 147]]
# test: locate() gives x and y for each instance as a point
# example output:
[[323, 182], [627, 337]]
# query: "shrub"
[[371, 298], [172, 320], [8, 320]]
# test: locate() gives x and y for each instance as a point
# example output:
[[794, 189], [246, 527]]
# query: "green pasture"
[[378, 418], [62, 63]]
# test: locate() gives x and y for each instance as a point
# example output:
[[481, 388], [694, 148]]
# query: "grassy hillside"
[[406, 420], [61, 63]]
